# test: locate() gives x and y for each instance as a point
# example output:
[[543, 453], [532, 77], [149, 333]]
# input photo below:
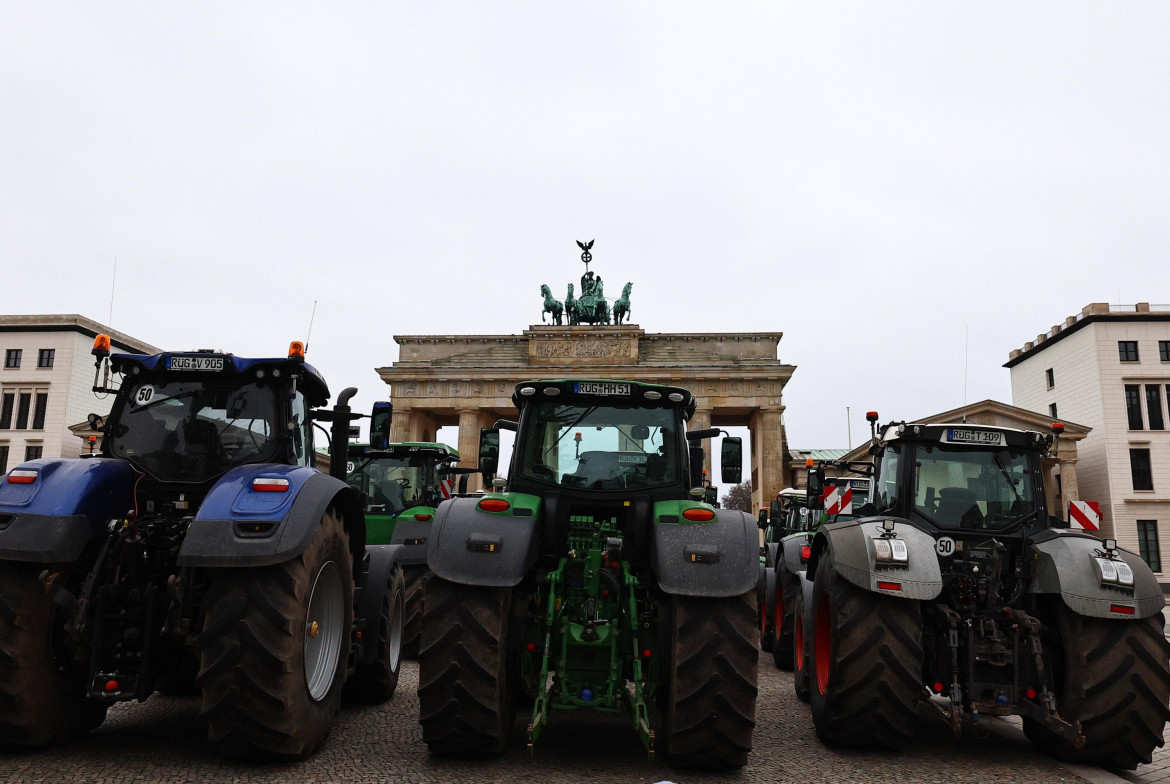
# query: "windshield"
[[972, 488], [391, 484], [191, 431], [600, 447]]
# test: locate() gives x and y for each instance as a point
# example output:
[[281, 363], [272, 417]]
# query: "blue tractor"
[[200, 552]]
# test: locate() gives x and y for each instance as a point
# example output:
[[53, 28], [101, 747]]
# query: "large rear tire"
[[42, 695], [416, 577], [376, 681], [711, 686], [1114, 678], [274, 649], [783, 624], [866, 672], [465, 698], [801, 650]]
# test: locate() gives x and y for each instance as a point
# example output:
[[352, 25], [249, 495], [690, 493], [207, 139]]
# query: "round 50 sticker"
[[945, 546]]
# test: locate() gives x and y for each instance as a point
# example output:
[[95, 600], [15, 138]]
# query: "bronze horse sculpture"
[[571, 307], [551, 306], [621, 308]]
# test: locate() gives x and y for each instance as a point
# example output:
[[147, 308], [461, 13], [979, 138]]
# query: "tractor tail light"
[[422, 517], [699, 515], [18, 477], [805, 552], [269, 485], [494, 505]]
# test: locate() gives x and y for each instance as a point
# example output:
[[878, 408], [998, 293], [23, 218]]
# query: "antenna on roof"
[[113, 280], [966, 341], [311, 318]]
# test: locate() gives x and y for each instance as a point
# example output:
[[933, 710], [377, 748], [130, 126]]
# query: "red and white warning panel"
[[838, 500], [1085, 515], [445, 486]]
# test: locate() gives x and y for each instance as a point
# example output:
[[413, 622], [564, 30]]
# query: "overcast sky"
[[886, 183]]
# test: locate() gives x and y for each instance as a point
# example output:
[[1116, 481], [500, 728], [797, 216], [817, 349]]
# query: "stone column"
[[401, 424], [1069, 490], [470, 422], [701, 421], [767, 470]]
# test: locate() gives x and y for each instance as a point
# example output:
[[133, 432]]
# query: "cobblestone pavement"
[[162, 741]]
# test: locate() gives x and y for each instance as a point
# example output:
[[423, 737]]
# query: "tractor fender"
[[471, 546], [239, 526], [1063, 564], [850, 544], [791, 552], [379, 571], [716, 558], [70, 501], [412, 534]]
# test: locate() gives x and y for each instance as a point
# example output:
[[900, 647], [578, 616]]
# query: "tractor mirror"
[[816, 484], [775, 510], [489, 452], [732, 460], [380, 425], [763, 519]]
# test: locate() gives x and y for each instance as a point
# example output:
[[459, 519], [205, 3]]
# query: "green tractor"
[[402, 486], [594, 578]]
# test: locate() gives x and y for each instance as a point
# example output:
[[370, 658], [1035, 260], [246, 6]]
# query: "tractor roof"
[[312, 384], [399, 448], [965, 434], [607, 390]]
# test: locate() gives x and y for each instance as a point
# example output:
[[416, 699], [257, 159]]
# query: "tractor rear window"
[[391, 484], [972, 488], [601, 447], [192, 431]]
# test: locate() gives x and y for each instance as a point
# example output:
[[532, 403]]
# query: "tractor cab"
[[186, 419], [961, 478]]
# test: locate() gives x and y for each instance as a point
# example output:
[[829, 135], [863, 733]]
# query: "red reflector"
[[1121, 609], [938, 687], [266, 485], [699, 515], [113, 685], [494, 505], [532, 646], [18, 477], [1030, 694], [422, 517], [646, 654], [805, 552], [889, 586]]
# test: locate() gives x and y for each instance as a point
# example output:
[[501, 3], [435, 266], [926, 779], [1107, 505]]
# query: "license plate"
[[983, 437], [195, 363], [603, 389]]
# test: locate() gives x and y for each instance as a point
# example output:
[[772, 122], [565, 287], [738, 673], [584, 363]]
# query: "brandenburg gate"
[[467, 380]]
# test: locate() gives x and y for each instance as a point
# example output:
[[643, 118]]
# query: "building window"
[[24, 403], [39, 410], [1154, 406], [45, 357], [1133, 405], [3, 458], [1127, 349], [1051, 379], [1164, 350], [33, 452], [1052, 411], [12, 358], [9, 401], [1148, 547], [1139, 466]]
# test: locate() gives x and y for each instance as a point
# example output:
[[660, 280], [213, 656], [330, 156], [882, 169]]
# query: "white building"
[[1109, 368], [46, 384]]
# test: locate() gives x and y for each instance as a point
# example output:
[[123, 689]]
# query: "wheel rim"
[[323, 632], [822, 642], [798, 640], [397, 622]]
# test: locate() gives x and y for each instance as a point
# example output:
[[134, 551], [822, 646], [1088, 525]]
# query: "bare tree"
[[739, 497]]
